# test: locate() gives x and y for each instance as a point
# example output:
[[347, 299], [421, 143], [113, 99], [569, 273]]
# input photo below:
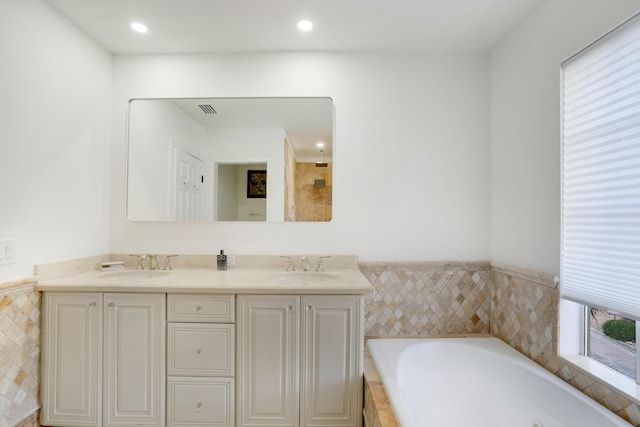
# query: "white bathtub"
[[480, 382]]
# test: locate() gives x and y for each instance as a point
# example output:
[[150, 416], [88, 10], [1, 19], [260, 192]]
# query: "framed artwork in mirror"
[[256, 184]]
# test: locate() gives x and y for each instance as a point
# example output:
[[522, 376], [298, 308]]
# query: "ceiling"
[[243, 26]]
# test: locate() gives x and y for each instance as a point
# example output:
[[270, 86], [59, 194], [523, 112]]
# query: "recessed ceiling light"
[[139, 27], [305, 25]]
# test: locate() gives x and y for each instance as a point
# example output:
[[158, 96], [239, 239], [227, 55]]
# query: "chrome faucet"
[[153, 262], [320, 265], [290, 267], [304, 263], [167, 262], [141, 258]]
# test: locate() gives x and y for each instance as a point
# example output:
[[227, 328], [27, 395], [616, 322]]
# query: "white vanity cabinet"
[[103, 359], [202, 348], [300, 360], [200, 360]]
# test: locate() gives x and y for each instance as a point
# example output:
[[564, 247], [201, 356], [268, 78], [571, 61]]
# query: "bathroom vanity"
[[198, 347]]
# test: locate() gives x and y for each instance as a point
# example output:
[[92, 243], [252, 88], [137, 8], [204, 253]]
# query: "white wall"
[[411, 169], [525, 126], [55, 98], [227, 194]]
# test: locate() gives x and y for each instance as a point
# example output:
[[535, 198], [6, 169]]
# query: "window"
[[611, 340], [600, 265]]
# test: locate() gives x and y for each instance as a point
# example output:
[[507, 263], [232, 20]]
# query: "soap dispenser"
[[222, 261]]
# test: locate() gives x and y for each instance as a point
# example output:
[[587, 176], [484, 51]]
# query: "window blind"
[[600, 231]]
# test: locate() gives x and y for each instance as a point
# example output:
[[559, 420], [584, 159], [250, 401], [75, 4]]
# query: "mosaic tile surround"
[[313, 203], [427, 298], [19, 355], [410, 299]]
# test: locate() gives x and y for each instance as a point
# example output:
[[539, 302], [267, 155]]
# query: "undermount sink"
[[134, 274], [304, 277]]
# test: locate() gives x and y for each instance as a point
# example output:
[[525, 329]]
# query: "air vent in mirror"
[[207, 109]]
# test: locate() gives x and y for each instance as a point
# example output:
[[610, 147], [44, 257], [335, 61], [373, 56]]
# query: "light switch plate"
[[8, 251]]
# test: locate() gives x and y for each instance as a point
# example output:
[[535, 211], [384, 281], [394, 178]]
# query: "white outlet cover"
[[8, 251]]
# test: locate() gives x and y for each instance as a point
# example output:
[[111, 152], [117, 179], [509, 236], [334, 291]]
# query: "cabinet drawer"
[[200, 401], [201, 349], [201, 308]]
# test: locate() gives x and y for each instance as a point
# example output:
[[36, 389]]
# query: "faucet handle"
[[290, 267], [167, 262], [320, 266], [140, 259]]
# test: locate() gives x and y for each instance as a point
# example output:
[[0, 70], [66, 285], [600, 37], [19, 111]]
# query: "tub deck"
[[377, 410], [439, 371]]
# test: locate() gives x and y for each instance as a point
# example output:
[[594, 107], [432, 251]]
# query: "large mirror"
[[230, 159]]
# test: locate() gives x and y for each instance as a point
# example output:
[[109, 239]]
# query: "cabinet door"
[[331, 371], [135, 353], [267, 376], [71, 359]]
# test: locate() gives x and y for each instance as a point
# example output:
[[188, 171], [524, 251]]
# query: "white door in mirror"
[[188, 186]]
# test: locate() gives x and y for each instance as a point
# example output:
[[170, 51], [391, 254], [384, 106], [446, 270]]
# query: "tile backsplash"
[[19, 354], [427, 298], [410, 299]]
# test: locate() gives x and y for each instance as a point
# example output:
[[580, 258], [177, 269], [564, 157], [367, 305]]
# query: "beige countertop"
[[206, 280]]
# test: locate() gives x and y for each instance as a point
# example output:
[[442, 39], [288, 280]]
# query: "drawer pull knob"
[[198, 309], [199, 406], [199, 352], [309, 308], [92, 304], [289, 308], [111, 304]]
